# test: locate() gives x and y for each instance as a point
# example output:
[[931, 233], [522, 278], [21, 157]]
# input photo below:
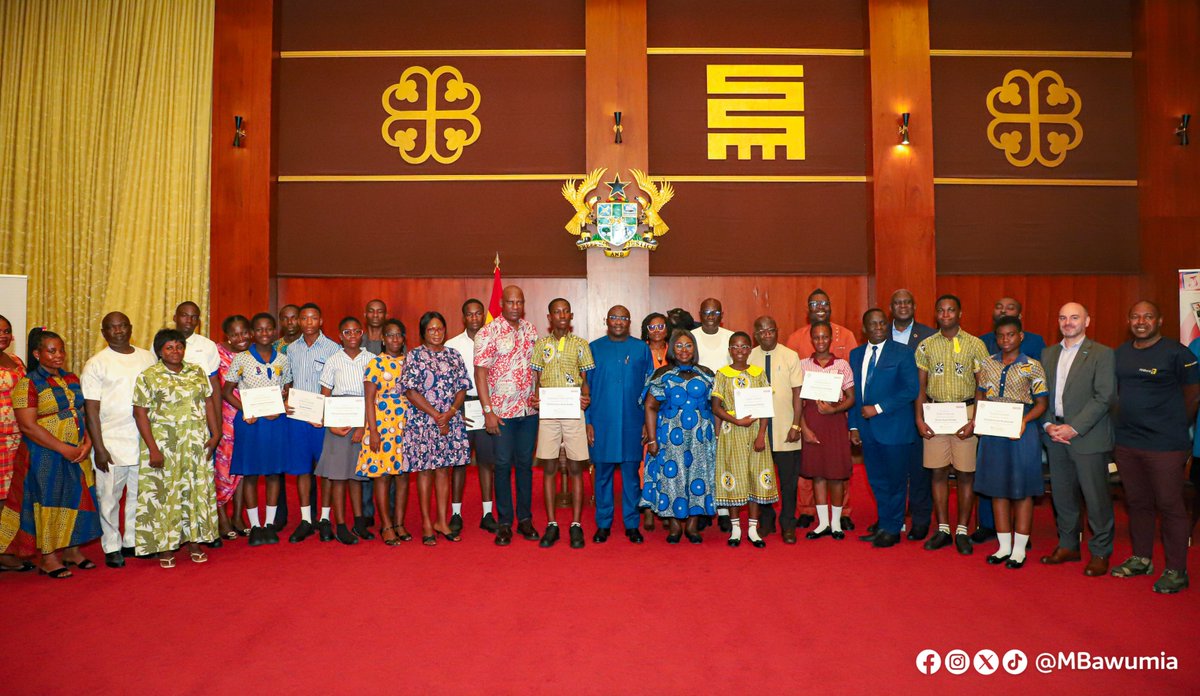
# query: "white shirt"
[[109, 377], [713, 349], [1065, 359], [343, 375], [465, 345], [203, 352], [867, 361]]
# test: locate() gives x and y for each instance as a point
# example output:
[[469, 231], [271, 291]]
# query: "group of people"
[[167, 433]]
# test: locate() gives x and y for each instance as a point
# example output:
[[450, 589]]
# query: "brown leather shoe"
[[789, 536], [1061, 555], [1096, 567]]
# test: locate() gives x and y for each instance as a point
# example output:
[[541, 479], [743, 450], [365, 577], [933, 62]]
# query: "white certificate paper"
[[822, 386], [753, 402], [473, 414], [306, 406], [559, 402], [999, 418], [945, 419], [261, 401], [345, 411]]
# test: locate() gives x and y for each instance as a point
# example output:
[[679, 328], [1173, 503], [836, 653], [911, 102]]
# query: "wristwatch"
[[487, 408]]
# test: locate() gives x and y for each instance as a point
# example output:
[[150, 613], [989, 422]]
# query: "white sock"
[[306, 514], [736, 532], [722, 512], [252, 513], [325, 514], [960, 529], [822, 518], [836, 518], [944, 528], [271, 513], [487, 507], [552, 524], [1018, 551], [455, 508], [752, 532], [1005, 544], [577, 524]]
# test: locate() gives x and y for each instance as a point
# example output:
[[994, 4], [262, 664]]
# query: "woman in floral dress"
[[381, 459], [237, 340]]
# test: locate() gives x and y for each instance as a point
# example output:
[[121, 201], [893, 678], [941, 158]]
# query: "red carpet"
[[613, 618]]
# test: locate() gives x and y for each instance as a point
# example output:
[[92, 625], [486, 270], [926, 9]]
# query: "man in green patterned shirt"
[[559, 361], [947, 363]]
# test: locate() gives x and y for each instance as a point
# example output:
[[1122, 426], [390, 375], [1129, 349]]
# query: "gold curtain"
[[105, 109]]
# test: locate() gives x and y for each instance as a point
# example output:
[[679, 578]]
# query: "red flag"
[[497, 292]]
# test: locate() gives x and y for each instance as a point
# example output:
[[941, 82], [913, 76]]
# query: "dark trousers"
[[788, 465], [631, 492], [887, 473], [1153, 483], [514, 450], [920, 487], [368, 495], [985, 516], [1074, 476]]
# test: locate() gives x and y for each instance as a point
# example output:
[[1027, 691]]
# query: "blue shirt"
[[307, 361], [616, 384], [1032, 346]]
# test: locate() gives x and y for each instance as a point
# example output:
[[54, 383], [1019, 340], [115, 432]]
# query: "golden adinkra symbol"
[[1044, 104], [461, 126], [768, 122]]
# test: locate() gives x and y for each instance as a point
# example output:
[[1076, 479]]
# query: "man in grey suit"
[[1078, 434]]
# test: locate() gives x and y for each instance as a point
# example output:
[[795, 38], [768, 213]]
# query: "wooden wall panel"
[[1167, 67], [1107, 297], [241, 262]]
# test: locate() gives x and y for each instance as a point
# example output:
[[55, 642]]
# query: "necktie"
[[770, 434], [870, 368]]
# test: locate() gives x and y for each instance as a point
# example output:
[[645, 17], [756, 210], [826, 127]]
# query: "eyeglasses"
[[656, 327], [682, 346], [613, 317], [817, 304], [767, 332], [393, 335], [352, 332], [711, 313]]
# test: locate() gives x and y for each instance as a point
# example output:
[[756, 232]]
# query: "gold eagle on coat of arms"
[[617, 224]]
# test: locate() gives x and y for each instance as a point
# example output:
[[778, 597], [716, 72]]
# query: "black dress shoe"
[[601, 535], [694, 538], [673, 538], [983, 534], [634, 536], [1015, 565], [962, 542], [847, 523], [817, 535], [838, 534], [279, 523], [114, 560], [345, 536], [362, 528], [549, 537], [214, 544], [938, 541], [456, 523], [805, 521], [269, 535], [488, 523], [734, 543], [917, 533], [302, 531], [869, 538], [703, 523], [576, 534], [758, 543], [325, 530], [996, 560], [526, 530], [873, 528], [885, 540], [724, 524], [256, 536], [503, 535], [128, 551]]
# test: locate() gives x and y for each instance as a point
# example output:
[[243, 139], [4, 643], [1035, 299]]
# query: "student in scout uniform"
[[559, 360]]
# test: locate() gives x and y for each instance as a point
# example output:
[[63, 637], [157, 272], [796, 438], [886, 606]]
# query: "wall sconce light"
[[617, 126], [239, 131], [904, 128], [1182, 131]]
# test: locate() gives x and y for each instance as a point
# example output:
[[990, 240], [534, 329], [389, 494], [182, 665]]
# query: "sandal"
[[243, 532], [199, 557], [230, 535], [452, 536], [402, 537], [85, 564], [166, 562], [56, 574], [429, 540], [25, 567], [394, 541]]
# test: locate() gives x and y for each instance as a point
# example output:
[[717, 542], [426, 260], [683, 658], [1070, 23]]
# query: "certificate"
[[345, 412], [822, 386], [559, 402], [306, 406], [261, 401], [945, 419], [999, 418], [473, 414], [753, 402]]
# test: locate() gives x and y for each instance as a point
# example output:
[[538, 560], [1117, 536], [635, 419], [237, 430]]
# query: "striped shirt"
[[343, 375], [307, 361]]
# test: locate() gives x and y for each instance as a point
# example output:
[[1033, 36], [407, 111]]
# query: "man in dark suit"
[[1077, 431], [904, 328], [885, 377]]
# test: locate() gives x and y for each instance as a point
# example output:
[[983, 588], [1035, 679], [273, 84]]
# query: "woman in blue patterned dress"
[[380, 458], [681, 459], [435, 436]]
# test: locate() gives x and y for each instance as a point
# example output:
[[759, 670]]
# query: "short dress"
[[223, 458], [391, 412], [743, 475], [437, 376], [830, 459], [10, 434], [1007, 468], [679, 479], [259, 448]]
